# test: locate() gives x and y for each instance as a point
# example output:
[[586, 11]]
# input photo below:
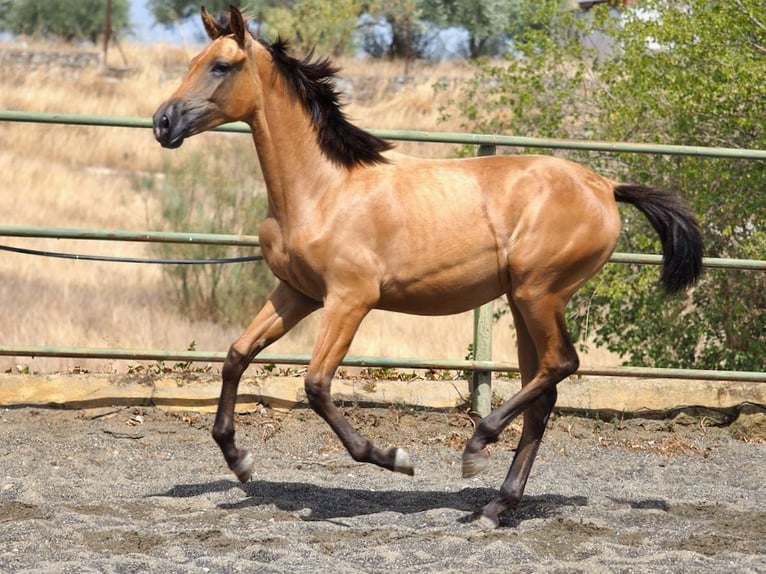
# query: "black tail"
[[678, 230]]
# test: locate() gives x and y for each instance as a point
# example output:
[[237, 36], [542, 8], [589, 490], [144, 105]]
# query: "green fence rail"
[[482, 365], [415, 135], [125, 235], [252, 241], [370, 362]]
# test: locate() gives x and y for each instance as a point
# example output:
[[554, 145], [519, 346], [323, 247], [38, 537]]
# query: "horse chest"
[[291, 261]]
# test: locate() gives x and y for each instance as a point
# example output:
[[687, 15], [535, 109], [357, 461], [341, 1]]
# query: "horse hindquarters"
[[575, 232]]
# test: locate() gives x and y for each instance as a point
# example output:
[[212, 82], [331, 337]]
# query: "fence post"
[[481, 381]]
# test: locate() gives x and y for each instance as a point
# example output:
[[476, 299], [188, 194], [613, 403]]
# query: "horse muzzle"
[[170, 124]]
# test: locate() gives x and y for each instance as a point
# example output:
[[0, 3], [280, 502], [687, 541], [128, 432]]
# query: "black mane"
[[313, 82]]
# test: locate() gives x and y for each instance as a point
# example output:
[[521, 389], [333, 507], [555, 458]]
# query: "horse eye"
[[220, 68]]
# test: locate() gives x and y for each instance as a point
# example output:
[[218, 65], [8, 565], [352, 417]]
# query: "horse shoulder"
[[272, 245]]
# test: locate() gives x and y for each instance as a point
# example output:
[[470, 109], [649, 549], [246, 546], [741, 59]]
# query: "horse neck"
[[295, 169]]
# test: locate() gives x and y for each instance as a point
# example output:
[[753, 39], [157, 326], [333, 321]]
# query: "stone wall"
[[36, 60]]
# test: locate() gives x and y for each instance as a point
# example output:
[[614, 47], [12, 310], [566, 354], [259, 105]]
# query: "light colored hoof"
[[402, 462], [244, 468], [486, 523], [481, 520], [474, 464]]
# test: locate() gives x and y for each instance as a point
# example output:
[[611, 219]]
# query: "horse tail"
[[678, 230]]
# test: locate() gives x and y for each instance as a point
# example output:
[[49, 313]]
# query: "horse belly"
[[445, 291]]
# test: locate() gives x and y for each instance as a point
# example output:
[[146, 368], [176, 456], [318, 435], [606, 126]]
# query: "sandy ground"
[[141, 490]]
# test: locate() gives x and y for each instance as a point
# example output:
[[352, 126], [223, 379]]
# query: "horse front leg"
[[341, 321], [283, 310]]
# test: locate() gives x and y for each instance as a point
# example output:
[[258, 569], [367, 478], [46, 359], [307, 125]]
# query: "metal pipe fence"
[[481, 366], [417, 136]]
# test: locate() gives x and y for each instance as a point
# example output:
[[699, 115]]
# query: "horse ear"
[[211, 26], [238, 25]]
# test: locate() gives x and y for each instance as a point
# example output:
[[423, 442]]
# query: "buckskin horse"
[[353, 226]]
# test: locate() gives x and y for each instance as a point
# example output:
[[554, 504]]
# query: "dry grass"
[[82, 177]]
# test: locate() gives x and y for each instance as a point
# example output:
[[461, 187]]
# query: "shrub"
[[211, 193]]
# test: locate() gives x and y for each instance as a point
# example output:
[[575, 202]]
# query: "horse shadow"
[[326, 503]]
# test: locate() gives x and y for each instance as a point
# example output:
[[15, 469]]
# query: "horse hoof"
[[473, 464], [481, 520], [402, 462], [487, 522], [244, 467]]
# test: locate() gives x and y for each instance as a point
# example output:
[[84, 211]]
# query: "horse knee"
[[571, 362], [234, 365], [566, 363], [316, 391]]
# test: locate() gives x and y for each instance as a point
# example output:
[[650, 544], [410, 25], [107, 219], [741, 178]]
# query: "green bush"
[[662, 72], [69, 20], [209, 192]]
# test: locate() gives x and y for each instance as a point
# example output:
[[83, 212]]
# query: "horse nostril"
[[168, 124]]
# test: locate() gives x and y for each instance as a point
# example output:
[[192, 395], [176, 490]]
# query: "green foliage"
[[70, 20], [487, 21], [211, 193], [688, 73], [541, 85], [186, 365], [407, 28], [327, 25], [169, 12], [694, 75]]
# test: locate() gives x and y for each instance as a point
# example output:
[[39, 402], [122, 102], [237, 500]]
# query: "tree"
[[406, 30], [327, 25], [535, 88], [170, 12], [692, 73], [488, 22], [69, 20], [679, 72]]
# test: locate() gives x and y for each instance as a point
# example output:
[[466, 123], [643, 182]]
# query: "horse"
[[352, 225]]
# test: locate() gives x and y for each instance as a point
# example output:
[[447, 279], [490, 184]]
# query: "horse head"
[[219, 87]]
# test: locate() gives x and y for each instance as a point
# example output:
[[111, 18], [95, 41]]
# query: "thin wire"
[[213, 261]]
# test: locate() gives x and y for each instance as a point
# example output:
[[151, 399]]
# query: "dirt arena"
[[142, 490]]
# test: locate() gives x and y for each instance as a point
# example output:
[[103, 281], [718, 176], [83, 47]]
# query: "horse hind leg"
[[284, 308], [546, 356], [341, 321], [528, 365]]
